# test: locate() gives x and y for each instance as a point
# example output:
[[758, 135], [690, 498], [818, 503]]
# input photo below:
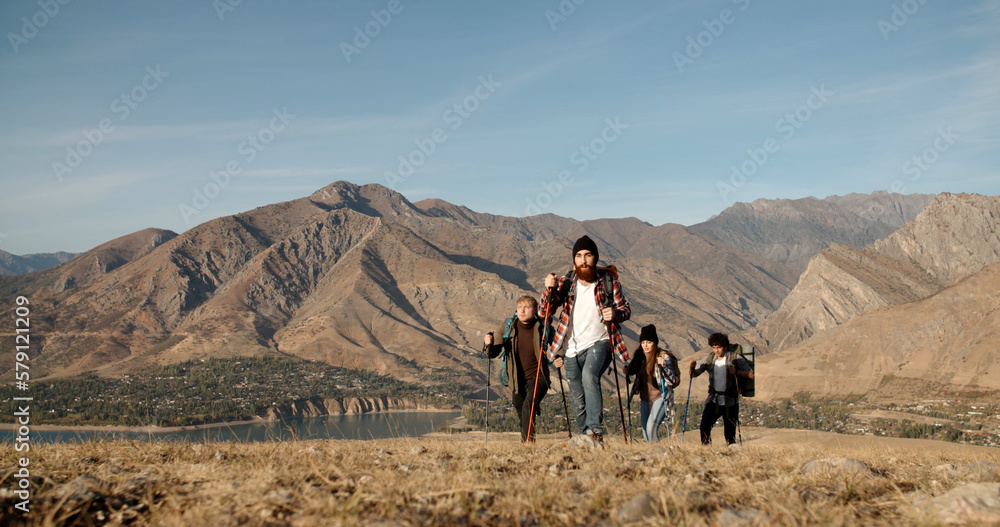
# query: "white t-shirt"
[[720, 373], [586, 326]]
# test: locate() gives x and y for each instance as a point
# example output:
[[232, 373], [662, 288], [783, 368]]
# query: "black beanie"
[[648, 333], [585, 243]]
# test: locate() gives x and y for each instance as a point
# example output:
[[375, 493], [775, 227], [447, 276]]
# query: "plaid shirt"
[[620, 307]]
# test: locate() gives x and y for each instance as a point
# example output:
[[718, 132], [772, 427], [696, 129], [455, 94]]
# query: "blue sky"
[[590, 110]]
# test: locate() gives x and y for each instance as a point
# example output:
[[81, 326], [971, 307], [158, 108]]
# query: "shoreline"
[[154, 429]]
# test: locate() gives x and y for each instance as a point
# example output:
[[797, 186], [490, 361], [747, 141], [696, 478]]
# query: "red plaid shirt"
[[620, 307]]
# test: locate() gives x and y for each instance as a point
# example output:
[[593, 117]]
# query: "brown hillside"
[[109, 256], [955, 236], [939, 346]]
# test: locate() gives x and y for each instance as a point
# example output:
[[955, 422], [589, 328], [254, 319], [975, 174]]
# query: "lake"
[[365, 426]]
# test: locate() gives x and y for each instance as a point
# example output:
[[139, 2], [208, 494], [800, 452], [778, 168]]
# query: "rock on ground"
[[638, 509], [740, 518], [584, 442], [975, 503], [836, 463]]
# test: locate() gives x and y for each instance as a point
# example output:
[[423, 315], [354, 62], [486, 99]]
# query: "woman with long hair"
[[656, 376]]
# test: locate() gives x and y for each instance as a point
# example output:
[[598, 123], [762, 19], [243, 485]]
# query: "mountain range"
[[952, 238], [793, 231], [11, 264], [359, 277], [913, 315]]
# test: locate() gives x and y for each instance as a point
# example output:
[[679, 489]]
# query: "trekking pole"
[[628, 402], [538, 371], [738, 431], [488, 364], [684, 427], [565, 408], [562, 389], [607, 302], [739, 395], [663, 391], [621, 410]]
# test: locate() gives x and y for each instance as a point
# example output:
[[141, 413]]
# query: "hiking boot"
[[598, 438]]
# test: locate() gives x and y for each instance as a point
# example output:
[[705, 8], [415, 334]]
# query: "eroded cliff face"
[[940, 347], [956, 236], [318, 407]]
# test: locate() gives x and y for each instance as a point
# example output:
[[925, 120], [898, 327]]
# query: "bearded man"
[[589, 329]]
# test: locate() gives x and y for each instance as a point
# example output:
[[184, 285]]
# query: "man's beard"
[[587, 275]]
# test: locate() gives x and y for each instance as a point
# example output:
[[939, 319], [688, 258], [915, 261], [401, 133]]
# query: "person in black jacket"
[[723, 366], [522, 347], [655, 379]]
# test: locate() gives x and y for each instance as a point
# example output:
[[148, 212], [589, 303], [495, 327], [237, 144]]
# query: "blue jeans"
[[583, 374], [643, 417], [651, 421]]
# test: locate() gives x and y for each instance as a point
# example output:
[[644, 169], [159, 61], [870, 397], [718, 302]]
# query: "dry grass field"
[[460, 480]]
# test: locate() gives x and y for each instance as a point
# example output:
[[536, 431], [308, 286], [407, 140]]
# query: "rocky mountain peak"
[[337, 192], [371, 199], [955, 236]]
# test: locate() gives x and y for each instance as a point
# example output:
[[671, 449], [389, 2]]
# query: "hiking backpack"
[[744, 385], [676, 368], [609, 290], [502, 375]]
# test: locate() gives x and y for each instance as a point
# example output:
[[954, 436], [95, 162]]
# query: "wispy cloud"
[[75, 194], [212, 132], [209, 132], [297, 172]]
